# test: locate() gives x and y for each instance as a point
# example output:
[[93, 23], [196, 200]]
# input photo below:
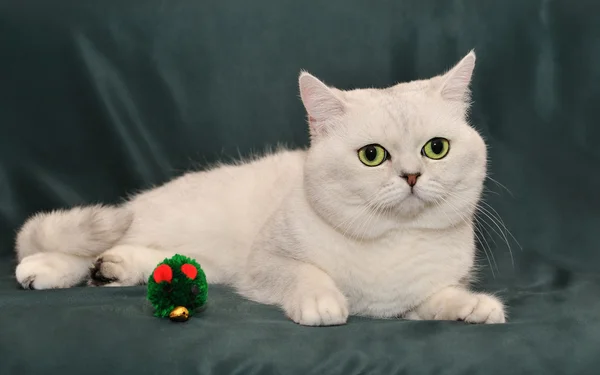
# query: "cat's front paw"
[[116, 267], [483, 309], [473, 308], [458, 304], [324, 307]]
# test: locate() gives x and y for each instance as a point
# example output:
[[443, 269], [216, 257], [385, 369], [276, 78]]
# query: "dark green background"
[[101, 98]]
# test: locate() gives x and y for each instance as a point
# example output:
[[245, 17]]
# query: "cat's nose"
[[411, 178]]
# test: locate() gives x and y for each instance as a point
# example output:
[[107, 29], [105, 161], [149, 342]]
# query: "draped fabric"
[[99, 99]]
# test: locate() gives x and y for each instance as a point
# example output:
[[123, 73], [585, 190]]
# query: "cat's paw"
[[456, 304], [472, 308], [483, 309], [115, 267], [324, 307], [51, 271]]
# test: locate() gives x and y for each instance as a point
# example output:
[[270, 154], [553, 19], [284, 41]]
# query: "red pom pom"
[[189, 270], [163, 273]]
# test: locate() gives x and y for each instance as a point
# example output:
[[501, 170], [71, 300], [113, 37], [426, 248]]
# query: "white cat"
[[374, 219]]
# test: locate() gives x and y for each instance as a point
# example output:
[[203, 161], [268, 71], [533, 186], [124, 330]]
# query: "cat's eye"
[[372, 155], [436, 148]]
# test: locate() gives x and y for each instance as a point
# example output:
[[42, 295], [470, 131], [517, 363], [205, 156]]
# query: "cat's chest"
[[390, 276]]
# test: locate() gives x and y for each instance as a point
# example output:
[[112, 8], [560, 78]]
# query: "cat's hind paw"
[[51, 271]]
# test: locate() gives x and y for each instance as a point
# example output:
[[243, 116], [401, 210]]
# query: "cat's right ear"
[[321, 103]]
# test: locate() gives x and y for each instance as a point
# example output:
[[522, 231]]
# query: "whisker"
[[374, 213], [502, 222], [500, 232], [481, 228], [492, 218], [500, 185], [491, 264], [345, 225], [488, 190], [484, 228]]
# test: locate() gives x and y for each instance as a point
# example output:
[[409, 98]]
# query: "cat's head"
[[400, 156]]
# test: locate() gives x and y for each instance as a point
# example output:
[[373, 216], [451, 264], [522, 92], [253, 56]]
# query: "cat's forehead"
[[397, 111]]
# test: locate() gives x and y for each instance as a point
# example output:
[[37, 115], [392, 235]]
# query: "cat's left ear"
[[321, 102], [455, 83]]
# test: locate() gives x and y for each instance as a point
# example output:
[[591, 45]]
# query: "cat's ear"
[[321, 102], [455, 83]]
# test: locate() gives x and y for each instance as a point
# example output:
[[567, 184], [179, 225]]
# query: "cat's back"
[[227, 201], [262, 175]]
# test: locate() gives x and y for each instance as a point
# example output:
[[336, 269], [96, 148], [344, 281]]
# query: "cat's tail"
[[82, 231]]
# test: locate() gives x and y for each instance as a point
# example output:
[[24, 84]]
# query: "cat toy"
[[177, 288]]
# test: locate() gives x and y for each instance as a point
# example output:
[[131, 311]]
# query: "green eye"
[[436, 148], [372, 155]]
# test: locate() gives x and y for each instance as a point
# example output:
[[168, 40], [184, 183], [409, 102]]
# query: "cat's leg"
[[306, 293], [126, 265], [457, 303], [56, 249], [315, 300], [82, 231], [52, 270]]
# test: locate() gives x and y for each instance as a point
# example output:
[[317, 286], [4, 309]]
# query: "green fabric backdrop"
[[101, 98]]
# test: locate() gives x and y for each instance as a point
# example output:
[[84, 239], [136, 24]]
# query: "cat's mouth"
[[418, 199], [403, 200], [424, 194], [411, 197], [410, 205], [414, 196]]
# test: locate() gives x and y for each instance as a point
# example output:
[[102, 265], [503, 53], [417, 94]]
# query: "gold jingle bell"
[[179, 314]]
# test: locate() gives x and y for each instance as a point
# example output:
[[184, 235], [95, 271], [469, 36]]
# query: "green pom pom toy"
[[177, 287]]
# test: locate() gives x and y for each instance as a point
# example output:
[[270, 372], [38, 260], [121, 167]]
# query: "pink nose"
[[411, 178]]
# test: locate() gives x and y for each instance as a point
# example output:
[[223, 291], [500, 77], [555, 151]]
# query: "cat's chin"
[[411, 205]]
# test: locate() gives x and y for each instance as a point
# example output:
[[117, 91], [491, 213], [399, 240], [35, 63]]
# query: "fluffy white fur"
[[315, 232]]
